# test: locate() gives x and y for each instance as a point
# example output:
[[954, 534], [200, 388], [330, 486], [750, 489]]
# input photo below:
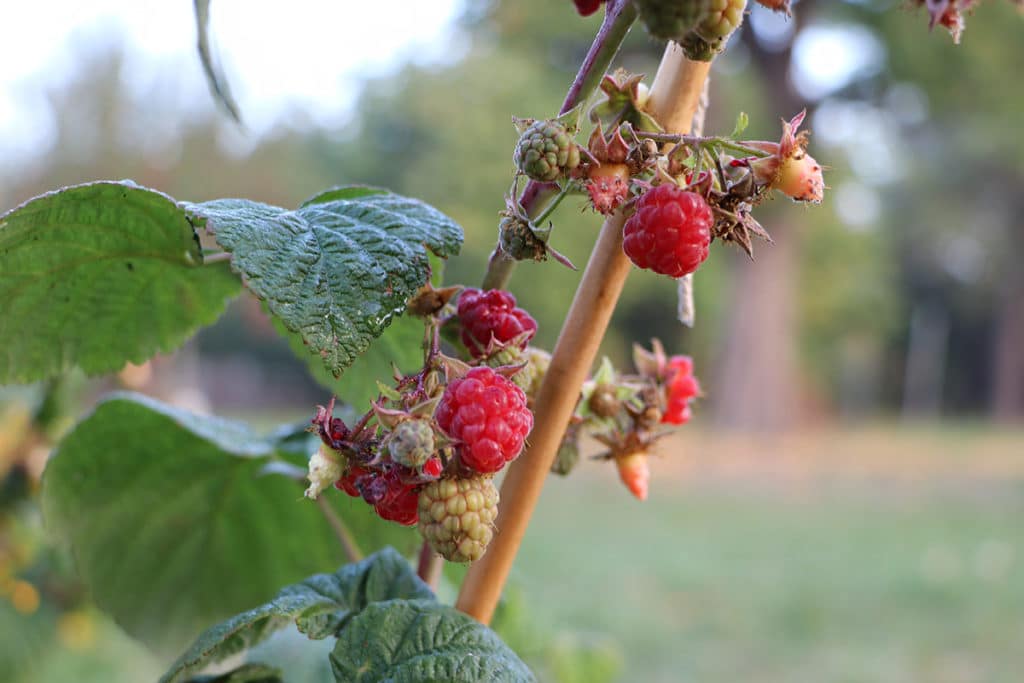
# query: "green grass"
[[854, 583]]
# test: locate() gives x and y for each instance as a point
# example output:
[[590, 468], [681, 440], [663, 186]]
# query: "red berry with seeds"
[[670, 232], [587, 7], [492, 314], [488, 415], [400, 500], [349, 481], [432, 468]]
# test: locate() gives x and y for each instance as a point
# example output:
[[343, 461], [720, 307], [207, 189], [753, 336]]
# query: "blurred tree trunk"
[[924, 376], [1007, 398], [757, 383]]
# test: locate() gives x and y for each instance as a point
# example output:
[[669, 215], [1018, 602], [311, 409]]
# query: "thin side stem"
[[675, 94], [704, 141], [217, 257], [552, 205], [430, 566], [618, 19], [345, 537]]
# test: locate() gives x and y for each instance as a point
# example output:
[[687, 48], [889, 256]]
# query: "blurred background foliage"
[[902, 296]]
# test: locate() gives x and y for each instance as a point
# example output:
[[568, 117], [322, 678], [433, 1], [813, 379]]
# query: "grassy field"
[[787, 561], [878, 555]]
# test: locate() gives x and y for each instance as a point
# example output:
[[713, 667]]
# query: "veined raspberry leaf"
[[318, 606], [177, 520], [99, 274], [339, 268], [406, 641]]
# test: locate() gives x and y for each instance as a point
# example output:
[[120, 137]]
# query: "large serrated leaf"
[[318, 606], [337, 269], [99, 274], [175, 522], [407, 641]]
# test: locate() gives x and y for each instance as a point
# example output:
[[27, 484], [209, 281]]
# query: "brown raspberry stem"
[[675, 94], [430, 566], [345, 538], [618, 19]]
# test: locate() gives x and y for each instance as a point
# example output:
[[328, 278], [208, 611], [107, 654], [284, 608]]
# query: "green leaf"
[[401, 345], [406, 641], [247, 673], [742, 121], [95, 275], [318, 606], [215, 77], [176, 521], [338, 269]]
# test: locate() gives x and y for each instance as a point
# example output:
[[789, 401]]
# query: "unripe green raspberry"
[[546, 151], [518, 241], [411, 443], [670, 19], [700, 50], [722, 18], [537, 363], [456, 516]]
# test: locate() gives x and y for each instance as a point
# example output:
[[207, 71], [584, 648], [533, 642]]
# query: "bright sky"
[[303, 54]]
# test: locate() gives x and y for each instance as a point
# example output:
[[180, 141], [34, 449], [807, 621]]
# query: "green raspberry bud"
[[537, 363], [518, 240], [546, 151], [670, 19], [721, 19], [411, 443], [700, 50], [457, 516]]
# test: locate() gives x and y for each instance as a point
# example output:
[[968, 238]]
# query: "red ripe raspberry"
[[680, 389], [670, 231], [488, 414], [400, 500], [587, 7], [433, 467], [492, 314], [348, 482]]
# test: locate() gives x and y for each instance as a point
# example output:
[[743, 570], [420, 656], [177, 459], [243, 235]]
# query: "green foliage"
[[319, 607], [99, 274], [337, 269], [399, 346], [388, 625], [247, 673], [175, 520], [407, 641]]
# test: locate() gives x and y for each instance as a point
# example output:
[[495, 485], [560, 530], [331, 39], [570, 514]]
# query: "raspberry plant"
[[351, 275]]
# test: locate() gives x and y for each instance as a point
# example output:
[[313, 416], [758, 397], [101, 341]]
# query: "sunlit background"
[[844, 505]]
